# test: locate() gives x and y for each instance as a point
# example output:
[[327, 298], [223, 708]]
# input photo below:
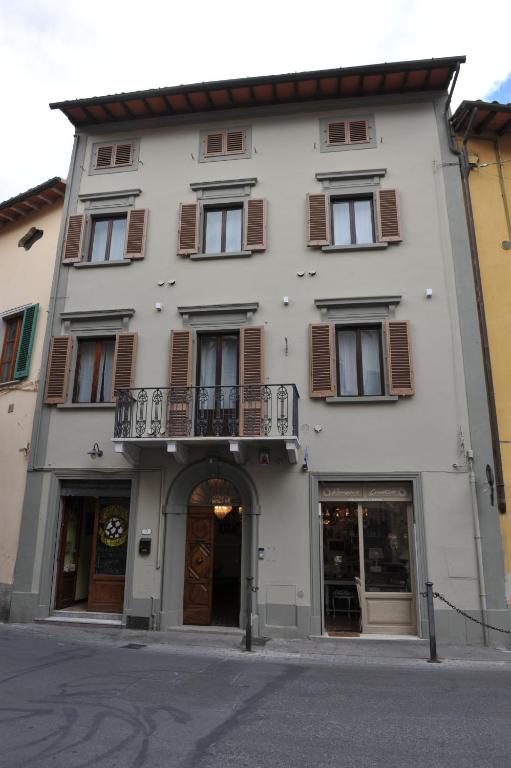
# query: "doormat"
[[343, 634]]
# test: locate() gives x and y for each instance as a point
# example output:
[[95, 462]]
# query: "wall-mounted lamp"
[[96, 452]]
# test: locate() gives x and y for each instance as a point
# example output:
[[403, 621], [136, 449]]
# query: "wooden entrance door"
[[70, 527], [108, 560], [198, 581]]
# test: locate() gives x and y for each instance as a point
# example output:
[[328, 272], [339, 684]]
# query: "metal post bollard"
[[248, 625], [433, 658]]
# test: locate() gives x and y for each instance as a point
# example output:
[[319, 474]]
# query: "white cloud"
[[50, 51]]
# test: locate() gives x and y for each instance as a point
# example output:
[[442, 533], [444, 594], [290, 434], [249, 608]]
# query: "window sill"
[[361, 400], [85, 406], [230, 255], [115, 263], [357, 247]]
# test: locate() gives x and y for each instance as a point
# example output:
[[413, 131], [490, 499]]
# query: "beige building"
[[255, 365], [29, 228]]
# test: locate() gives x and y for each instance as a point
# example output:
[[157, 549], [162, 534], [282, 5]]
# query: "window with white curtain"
[[360, 361], [94, 368]]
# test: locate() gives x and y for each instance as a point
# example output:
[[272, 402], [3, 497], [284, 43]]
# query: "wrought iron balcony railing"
[[268, 410]]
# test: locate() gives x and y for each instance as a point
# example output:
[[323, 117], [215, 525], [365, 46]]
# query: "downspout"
[[477, 539]]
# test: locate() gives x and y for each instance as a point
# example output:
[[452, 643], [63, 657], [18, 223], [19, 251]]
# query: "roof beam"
[[149, 107], [90, 115], [109, 112], [504, 128], [485, 122], [31, 205], [427, 80], [188, 102], [58, 191], [45, 200], [4, 216], [18, 210], [405, 80], [168, 103]]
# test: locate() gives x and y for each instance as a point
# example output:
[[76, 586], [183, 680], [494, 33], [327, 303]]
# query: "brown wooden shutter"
[[358, 131], [251, 380], [179, 402], [318, 219], [74, 238], [188, 232], [255, 225], [123, 155], [235, 142], [321, 360], [214, 144], [399, 358], [124, 362], [135, 234], [388, 215], [336, 132], [57, 374], [104, 156]]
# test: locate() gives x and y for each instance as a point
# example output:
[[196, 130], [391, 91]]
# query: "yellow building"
[[29, 230], [483, 131]]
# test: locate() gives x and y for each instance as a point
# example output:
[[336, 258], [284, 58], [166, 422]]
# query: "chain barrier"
[[466, 615]]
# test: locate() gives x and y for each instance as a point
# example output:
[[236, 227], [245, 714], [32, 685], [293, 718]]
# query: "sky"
[[52, 50]]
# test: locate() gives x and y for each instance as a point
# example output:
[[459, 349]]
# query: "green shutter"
[[26, 341]]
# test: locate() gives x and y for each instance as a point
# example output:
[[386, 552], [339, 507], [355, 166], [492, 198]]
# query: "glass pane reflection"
[[386, 547]]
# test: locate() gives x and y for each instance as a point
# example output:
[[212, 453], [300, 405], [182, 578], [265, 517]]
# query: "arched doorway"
[[212, 574], [176, 522]]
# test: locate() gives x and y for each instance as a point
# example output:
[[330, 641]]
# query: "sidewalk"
[[232, 642]]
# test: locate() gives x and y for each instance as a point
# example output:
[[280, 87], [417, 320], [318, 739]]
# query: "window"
[[347, 361], [222, 230], [94, 369], [355, 221], [354, 132], [359, 361], [18, 338], [352, 221], [108, 237], [114, 156], [230, 228], [113, 238], [225, 144], [10, 347]]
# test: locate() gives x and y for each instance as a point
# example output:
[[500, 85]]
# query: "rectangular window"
[[108, 238], [360, 361], [225, 144], [94, 368], [222, 230], [352, 221], [12, 331], [217, 377]]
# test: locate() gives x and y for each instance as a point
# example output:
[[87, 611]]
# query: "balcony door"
[[217, 379]]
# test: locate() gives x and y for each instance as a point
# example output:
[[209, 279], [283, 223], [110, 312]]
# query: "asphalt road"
[[69, 704]]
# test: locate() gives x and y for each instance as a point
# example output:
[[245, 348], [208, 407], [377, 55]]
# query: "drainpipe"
[[477, 540]]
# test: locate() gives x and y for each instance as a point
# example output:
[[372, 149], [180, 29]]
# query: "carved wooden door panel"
[[198, 582]]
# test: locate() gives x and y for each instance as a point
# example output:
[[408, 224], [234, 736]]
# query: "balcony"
[[184, 418]]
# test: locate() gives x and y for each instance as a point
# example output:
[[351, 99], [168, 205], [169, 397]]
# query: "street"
[[96, 703]]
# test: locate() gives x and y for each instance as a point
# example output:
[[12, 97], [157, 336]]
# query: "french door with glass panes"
[[217, 400], [368, 560]]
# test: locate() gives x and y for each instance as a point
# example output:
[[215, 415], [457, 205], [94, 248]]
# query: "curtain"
[[370, 341], [208, 370], [87, 351], [347, 353]]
